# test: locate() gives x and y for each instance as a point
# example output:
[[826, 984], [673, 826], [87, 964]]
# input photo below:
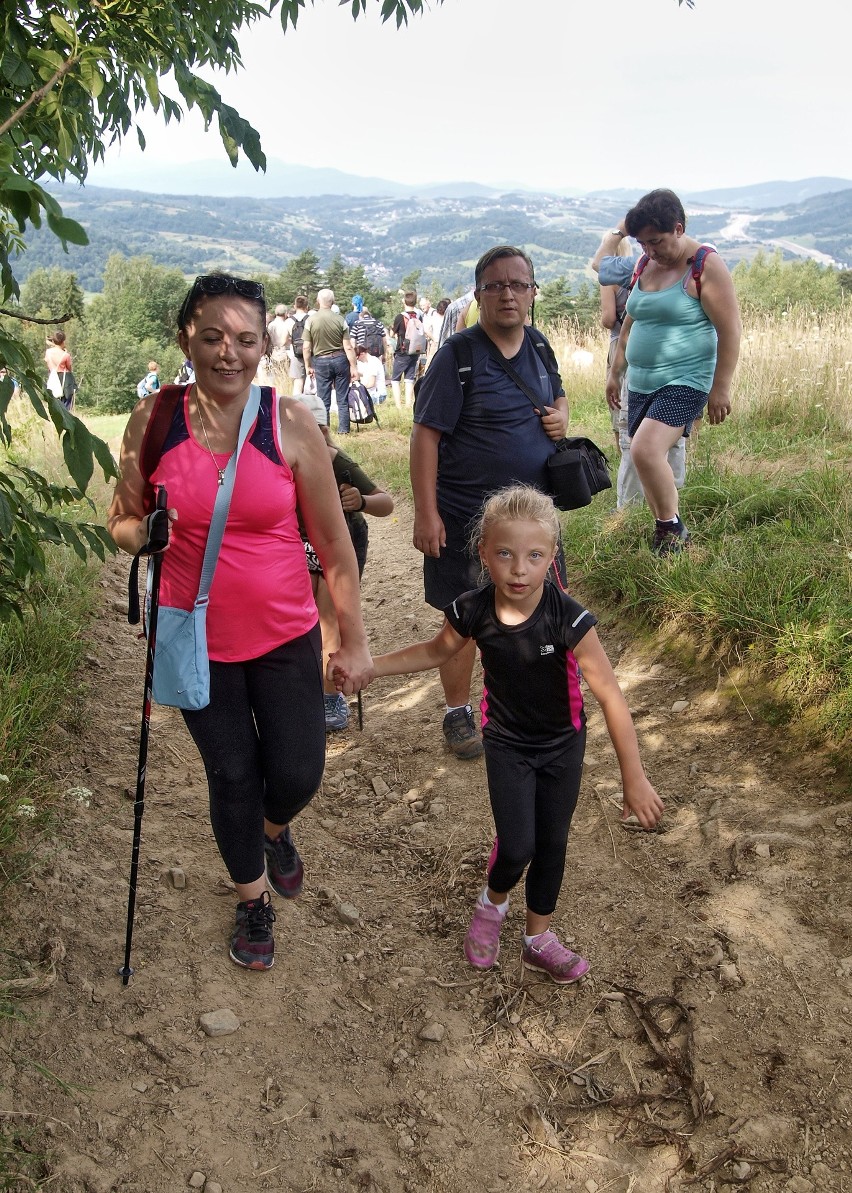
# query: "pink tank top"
[[261, 594]]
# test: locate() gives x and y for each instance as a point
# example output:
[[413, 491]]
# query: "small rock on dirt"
[[433, 1031], [680, 706], [729, 975], [219, 1023], [347, 913], [844, 967], [178, 878], [380, 786], [741, 1172], [798, 1184], [212, 1187], [197, 1181]]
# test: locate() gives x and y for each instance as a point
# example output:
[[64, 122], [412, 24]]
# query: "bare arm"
[[422, 656], [350, 356], [608, 311], [615, 376], [719, 302], [322, 513], [127, 516], [639, 796], [429, 534], [608, 247]]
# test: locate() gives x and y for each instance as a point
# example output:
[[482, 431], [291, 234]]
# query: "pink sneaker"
[[482, 943], [548, 955]]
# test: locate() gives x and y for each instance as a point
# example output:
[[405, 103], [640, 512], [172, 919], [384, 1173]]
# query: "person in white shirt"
[[372, 373]]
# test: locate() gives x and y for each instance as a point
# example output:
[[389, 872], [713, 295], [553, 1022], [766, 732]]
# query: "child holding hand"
[[533, 639]]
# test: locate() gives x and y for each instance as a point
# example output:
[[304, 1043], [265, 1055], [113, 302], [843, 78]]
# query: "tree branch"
[[34, 318], [40, 94]]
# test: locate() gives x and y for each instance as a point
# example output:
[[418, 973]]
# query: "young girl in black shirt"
[[533, 639]]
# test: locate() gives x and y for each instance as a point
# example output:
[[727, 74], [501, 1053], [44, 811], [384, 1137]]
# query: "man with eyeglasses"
[[472, 438]]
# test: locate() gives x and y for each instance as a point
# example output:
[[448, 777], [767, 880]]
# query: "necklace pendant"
[[221, 472]]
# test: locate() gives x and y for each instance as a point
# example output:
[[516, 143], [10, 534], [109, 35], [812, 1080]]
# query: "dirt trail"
[[712, 1033]]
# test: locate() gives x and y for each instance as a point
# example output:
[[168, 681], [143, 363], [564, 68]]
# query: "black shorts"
[[405, 365]]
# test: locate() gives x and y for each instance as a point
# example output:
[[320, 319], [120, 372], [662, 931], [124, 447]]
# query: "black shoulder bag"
[[578, 469]]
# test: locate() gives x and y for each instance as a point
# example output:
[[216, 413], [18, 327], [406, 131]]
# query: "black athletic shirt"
[[532, 690]]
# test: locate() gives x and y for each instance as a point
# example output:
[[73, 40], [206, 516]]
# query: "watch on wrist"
[[618, 232]]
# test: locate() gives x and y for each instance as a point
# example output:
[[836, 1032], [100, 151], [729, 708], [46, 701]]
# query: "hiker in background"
[[615, 271], [355, 313], [150, 383], [358, 496], [534, 640], [470, 439], [451, 315], [262, 736], [432, 325], [679, 345], [293, 336], [410, 340], [185, 374], [60, 375], [370, 333], [329, 357], [371, 370]]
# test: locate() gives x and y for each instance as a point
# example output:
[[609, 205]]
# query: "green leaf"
[[67, 230], [63, 28]]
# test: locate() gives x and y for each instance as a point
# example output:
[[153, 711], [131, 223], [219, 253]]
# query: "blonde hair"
[[516, 503]]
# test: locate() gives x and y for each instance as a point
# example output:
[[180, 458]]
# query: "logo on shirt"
[[546, 650]]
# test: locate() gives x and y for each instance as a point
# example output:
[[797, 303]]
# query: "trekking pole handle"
[[158, 524]]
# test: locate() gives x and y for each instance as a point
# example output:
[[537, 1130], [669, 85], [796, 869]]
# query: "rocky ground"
[[707, 1049]]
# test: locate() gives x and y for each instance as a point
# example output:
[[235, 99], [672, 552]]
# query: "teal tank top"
[[671, 342]]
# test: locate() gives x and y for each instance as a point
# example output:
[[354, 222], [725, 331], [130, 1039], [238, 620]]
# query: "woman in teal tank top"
[[679, 345]]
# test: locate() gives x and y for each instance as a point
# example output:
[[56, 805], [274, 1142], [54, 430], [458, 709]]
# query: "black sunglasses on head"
[[212, 284]]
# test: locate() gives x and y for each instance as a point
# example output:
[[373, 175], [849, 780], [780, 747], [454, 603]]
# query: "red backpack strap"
[[639, 270], [156, 432], [697, 262]]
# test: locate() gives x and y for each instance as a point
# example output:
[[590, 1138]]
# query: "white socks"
[[486, 902]]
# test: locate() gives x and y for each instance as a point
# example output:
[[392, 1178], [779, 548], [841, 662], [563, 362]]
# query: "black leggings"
[[533, 796], [262, 741]]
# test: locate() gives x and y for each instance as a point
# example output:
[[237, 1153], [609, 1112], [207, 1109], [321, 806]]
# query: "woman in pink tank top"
[[262, 736]]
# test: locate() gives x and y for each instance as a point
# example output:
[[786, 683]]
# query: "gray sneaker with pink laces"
[[482, 943], [548, 955]]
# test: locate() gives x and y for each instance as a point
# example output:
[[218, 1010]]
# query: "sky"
[[568, 94]]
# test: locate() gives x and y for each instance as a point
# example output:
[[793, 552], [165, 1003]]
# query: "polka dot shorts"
[[674, 405]]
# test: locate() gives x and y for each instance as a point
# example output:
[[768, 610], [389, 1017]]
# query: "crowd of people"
[[286, 640]]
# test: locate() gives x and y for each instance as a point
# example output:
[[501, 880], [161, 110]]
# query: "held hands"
[[350, 670], [641, 799], [555, 422]]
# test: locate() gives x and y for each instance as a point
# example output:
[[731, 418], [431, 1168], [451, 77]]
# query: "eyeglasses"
[[212, 284], [499, 287]]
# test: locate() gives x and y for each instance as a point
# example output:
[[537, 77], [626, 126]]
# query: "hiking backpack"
[[297, 331], [695, 263], [361, 408], [373, 338], [415, 336]]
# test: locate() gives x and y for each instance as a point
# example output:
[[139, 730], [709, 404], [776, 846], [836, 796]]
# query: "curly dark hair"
[[660, 209]]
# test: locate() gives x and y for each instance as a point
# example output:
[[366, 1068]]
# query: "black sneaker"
[[462, 736], [252, 945], [670, 540], [284, 870]]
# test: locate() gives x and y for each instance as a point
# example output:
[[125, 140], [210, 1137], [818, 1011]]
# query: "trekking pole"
[[158, 537], [347, 480]]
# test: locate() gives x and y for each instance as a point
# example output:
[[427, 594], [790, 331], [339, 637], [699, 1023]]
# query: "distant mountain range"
[[442, 235]]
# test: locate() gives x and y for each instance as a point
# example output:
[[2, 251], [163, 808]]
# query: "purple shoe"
[[252, 945], [284, 870], [548, 955], [482, 943], [492, 857]]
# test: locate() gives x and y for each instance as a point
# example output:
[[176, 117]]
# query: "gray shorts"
[[297, 368]]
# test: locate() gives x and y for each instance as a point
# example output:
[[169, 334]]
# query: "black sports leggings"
[[262, 740], [533, 797]]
